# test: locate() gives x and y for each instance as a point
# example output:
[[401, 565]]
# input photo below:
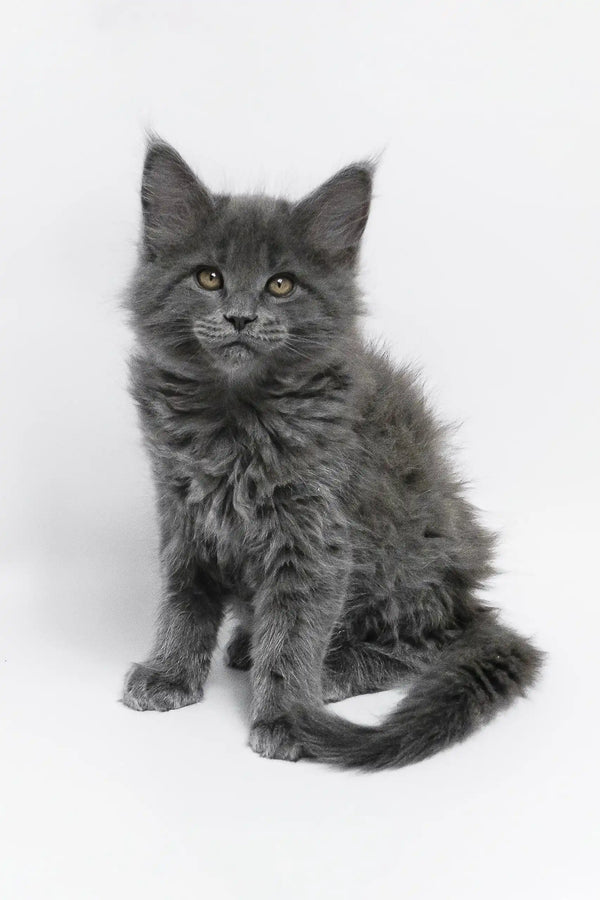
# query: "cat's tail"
[[475, 676]]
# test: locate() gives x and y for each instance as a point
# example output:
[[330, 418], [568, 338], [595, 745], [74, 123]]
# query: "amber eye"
[[280, 285], [209, 278]]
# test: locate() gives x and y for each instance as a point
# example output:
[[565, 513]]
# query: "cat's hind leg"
[[238, 650], [361, 668]]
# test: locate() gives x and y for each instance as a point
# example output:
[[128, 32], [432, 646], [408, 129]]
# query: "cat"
[[302, 483]]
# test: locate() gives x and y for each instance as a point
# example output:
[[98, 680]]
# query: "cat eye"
[[209, 278], [281, 285]]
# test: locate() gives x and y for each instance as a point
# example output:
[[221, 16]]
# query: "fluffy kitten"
[[302, 483]]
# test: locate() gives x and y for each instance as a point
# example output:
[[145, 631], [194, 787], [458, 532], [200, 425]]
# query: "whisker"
[[296, 351]]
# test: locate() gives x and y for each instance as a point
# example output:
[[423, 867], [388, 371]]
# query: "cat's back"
[[397, 427], [410, 494]]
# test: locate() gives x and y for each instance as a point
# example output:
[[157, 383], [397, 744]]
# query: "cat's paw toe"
[[237, 652], [334, 691], [149, 688], [275, 740]]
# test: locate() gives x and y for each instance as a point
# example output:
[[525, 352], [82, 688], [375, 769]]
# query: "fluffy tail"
[[475, 677]]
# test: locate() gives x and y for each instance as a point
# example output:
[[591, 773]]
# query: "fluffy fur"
[[303, 483]]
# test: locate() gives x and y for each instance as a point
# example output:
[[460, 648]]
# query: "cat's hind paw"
[[149, 688], [275, 740], [237, 652]]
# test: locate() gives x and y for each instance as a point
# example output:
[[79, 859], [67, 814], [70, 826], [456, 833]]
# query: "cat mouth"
[[238, 348], [238, 342]]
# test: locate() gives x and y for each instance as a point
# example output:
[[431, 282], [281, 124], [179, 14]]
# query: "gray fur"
[[303, 483]]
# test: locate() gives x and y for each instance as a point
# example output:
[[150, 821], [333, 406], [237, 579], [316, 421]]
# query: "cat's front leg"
[[296, 608], [189, 619]]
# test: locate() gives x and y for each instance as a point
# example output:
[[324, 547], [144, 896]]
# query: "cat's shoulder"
[[398, 381]]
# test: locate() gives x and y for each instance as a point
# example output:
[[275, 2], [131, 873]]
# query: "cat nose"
[[240, 322]]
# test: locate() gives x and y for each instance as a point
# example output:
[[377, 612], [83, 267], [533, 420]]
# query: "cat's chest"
[[241, 453], [230, 475], [230, 469]]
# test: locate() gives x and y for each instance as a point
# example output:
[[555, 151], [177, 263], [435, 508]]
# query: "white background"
[[480, 264]]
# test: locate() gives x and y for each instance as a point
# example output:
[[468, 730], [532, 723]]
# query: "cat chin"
[[236, 361]]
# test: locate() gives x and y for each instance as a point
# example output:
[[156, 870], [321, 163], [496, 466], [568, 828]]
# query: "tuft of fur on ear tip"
[[175, 204], [333, 217]]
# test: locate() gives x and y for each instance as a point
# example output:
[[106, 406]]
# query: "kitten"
[[302, 482]]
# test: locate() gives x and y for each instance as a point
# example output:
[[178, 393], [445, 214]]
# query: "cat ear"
[[175, 203], [334, 216]]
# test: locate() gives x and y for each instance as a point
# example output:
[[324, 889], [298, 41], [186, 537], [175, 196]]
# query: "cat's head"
[[244, 283]]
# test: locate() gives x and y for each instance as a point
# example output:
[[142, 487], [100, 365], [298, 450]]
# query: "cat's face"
[[242, 284]]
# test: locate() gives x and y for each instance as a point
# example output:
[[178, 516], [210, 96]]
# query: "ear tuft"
[[175, 203], [334, 216]]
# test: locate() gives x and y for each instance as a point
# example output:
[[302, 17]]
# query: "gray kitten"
[[302, 483]]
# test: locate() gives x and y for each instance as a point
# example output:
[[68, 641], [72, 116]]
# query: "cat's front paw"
[[149, 688], [275, 740]]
